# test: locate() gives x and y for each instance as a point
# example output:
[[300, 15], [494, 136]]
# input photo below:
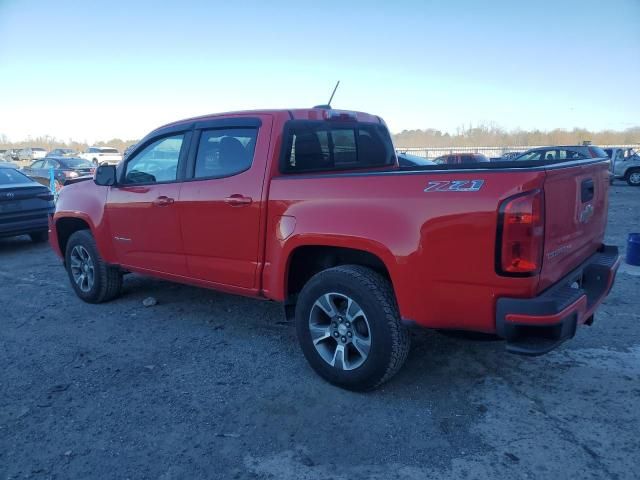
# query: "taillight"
[[520, 235], [45, 196]]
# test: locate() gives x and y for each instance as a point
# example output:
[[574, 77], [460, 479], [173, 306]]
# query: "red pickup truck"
[[310, 208]]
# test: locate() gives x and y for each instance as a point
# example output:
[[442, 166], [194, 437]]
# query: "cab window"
[[225, 152], [156, 163], [324, 146]]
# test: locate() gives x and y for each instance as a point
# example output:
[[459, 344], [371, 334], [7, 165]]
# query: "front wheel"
[[633, 178], [93, 280], [349, 328]]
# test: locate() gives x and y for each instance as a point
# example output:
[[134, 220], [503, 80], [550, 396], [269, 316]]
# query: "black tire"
[[107, 280], [39, 237], [633, 177], [389, 339]]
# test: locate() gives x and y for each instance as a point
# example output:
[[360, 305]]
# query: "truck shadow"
[[20, 243]]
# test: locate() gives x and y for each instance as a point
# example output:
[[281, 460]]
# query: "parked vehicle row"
[[96, 155], [624, 165], [311, 208]]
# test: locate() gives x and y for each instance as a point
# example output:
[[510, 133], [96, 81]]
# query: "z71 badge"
[[454, 186]]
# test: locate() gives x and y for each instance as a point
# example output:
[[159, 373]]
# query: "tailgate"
[[576, 202]]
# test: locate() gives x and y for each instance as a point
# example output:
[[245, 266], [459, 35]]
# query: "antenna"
[[328, 105], [333, 93]]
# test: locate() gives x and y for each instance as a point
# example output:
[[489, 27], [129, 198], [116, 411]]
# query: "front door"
[[220, 205], [142, 208]]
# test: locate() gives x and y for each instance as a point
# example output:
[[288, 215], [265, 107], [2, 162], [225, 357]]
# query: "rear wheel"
[[633, 178], [93, 280], [349, 328]]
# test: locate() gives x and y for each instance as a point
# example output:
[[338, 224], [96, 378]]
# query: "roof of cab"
[[315, 113]]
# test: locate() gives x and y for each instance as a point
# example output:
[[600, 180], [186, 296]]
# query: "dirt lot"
[[206, 385]]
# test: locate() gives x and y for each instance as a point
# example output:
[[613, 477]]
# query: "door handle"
[[238, 200], [163, 201]]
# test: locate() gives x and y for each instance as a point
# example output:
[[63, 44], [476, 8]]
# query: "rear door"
[[220, 205], [142, 208], [576, 202]]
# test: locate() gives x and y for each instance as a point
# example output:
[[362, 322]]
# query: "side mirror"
[[105, 175]]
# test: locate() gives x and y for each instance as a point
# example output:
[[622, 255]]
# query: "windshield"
[[38, 149], [108, 150], [9, 176], [76, 163]]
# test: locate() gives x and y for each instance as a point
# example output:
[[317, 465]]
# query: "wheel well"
[[66, 227], [630, 171], [307, 261]]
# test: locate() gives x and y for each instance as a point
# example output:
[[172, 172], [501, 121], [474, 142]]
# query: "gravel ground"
[[207, 385]]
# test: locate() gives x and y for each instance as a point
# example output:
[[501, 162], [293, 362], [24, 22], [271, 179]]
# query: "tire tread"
[[109, 278], [383, 295]]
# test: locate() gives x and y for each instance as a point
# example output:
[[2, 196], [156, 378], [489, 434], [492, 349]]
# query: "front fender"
[[86, 201]]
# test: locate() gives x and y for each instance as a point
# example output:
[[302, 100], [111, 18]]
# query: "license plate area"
[[10, 207]]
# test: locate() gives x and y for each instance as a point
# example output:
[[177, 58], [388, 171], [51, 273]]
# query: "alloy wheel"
[[82, 268], [340, 331]]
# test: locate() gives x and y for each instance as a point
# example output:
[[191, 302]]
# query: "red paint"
[[238, 234]]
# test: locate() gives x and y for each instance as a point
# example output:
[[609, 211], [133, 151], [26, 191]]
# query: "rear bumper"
[[21, 226], [535, 326]]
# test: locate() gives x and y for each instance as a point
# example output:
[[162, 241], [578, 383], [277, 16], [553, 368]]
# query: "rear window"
[[9, 176], [598, 152], [75, 163], [109, 150], [38, 149], [326, 146]]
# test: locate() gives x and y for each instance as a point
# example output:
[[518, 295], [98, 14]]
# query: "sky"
[[103, 69]]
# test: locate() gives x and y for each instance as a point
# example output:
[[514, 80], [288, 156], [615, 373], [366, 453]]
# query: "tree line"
[[493, 136], [50, 143], [478, 136]]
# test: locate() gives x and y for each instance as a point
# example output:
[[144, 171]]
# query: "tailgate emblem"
[[586, 213], [454, 186], [9, 195]]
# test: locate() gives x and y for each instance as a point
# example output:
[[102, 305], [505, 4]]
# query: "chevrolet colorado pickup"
[[310, 208]]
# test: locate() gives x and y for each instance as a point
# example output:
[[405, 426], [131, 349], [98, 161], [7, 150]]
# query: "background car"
[[408, 160], [625, 164], [29, 154], [8, 165], [505, 157], [25, 206], [561, 152], [459, 158], [65, 170], [62, 152], [99, 155], [9, 155]]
